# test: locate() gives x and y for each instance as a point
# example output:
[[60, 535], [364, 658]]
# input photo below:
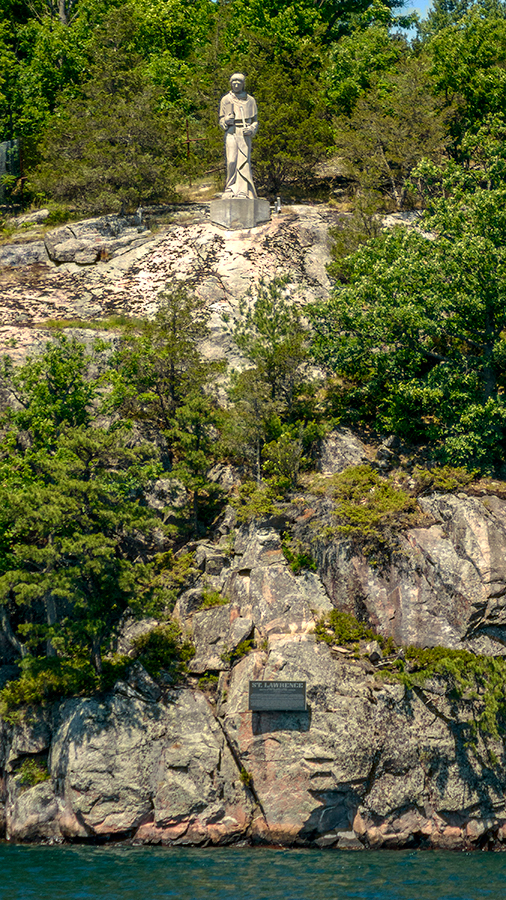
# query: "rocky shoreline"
[[370, 764], [373, 762]]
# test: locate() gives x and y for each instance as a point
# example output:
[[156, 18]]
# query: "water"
[[147, 873]]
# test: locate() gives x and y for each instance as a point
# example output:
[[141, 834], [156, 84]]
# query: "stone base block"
[[235, 214]]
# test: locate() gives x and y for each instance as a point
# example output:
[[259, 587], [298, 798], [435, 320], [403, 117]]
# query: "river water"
[[150, 873]]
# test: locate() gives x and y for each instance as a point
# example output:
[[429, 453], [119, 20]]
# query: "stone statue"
[[238, 118]]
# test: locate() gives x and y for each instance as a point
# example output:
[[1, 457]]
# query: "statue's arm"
[[226, 115], [253, 125]]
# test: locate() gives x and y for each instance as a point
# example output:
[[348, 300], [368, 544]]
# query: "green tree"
[[66, 524], [468, 69], [355, 61], [159, 364], [162, 380], [324, 21], [393, 126], [265, 408], [253, 418], [192, 438], [295, 133], [418, 330], [49, 391], [444, 13], [271, 334], [120, 157]]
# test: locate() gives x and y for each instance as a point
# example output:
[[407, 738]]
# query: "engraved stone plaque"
[[277, 696]]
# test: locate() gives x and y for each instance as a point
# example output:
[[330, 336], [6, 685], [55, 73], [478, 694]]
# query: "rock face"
[[445, 584], [87, 242], [339, 450], [369, 764], [105, 266]]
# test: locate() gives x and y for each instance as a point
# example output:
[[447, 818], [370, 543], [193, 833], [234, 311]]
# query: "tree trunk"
[[51, 619], [96, 656], [196, 512], [9, 634], [62, 12]]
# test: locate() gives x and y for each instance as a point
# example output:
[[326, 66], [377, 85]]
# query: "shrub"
[[32, 772], [297, 555], [172, 574], [242, 649], [467, 678], [255, 501], [208, 680], [212, 598], [444, 479], [246, 777], [341, 628], [370, 509], [477, 679], [46, 680], [163, 649]]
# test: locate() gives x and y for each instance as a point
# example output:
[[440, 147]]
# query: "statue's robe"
[[238, 145]]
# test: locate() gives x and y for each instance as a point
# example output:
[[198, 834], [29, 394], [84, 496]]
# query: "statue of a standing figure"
[[238, 118]]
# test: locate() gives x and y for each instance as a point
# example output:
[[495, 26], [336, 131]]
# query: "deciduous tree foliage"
[[419, 328], [393, 126]]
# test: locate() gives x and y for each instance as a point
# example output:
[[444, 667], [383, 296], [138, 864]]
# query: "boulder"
[[86, 242], [211, 629], [367, 764], [37, 217], [166, 492], [17, 255], [339, 450], [130, 629], [31, 736], [32, 814]]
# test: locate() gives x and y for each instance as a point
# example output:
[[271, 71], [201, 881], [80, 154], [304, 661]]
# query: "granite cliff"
[[375, 761], [371, 763]]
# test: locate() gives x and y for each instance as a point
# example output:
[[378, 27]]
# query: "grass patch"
[[110, 323], [246, 777]]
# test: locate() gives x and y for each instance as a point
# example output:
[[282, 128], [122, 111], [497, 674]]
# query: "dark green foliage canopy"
[[419, 330]]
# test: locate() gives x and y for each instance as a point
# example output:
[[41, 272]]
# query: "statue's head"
[[237, 82]]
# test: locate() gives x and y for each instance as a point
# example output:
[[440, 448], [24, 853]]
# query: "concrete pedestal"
[[235, 214]]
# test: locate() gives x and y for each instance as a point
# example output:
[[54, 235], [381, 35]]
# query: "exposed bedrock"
[[369, 764], [444, 585], [110, 266]]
